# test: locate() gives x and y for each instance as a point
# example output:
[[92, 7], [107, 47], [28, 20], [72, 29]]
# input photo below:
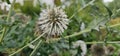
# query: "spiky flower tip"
[[53, 21]]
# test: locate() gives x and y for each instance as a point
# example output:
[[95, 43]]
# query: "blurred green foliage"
[[22, 28]]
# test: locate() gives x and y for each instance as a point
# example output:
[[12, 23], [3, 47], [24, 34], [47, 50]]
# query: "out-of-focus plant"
[[91, 21]]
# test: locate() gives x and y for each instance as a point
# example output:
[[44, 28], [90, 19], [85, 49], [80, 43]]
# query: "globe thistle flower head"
[[54, 21]]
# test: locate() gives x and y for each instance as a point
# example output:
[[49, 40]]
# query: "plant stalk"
[[8, 19], [79, 33], [32, 53]]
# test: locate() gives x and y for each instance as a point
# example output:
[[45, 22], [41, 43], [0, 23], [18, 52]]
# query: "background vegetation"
[[100, 23]]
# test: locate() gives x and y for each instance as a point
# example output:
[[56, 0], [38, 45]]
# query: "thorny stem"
[[32, 53], [8, 18]]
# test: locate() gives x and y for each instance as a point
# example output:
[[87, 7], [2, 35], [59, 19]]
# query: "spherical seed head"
[[98, 50], [110, 50], [53, 21]]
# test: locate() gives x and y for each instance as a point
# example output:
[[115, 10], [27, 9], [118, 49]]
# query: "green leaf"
[[2, 48], [109, 11], [8, 1]]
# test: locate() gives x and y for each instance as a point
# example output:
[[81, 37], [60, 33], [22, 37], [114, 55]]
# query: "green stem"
[[8, 18], [81, 32], [108, 42], [91, 2], [27, 45], [4, 30], [32, 53]]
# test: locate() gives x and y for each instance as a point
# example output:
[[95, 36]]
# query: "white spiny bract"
[[4, 6], [54, 21], [82, 45]]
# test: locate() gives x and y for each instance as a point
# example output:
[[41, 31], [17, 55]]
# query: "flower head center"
[[53, 16]]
